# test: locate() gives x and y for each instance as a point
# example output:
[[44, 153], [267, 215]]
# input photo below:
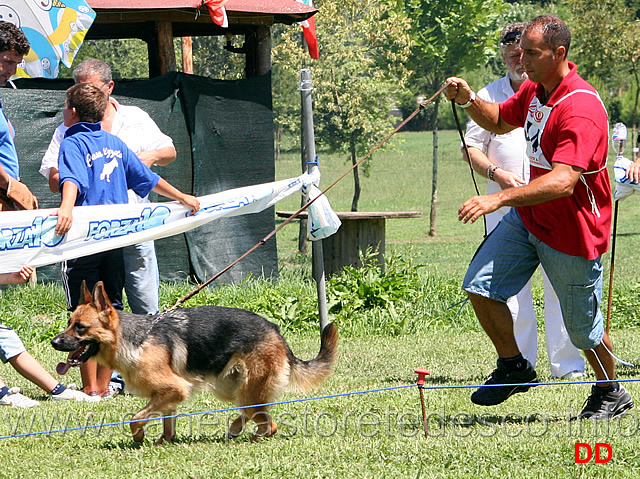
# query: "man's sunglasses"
[[511, 37]]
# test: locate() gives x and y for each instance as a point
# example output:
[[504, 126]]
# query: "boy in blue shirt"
[[97, 168]]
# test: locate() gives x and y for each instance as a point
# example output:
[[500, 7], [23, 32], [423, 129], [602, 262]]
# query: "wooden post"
[[187, 55], [263, 60], [165, 47]]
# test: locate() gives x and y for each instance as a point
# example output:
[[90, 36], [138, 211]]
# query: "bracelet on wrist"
[[492, 171], [470, 102]]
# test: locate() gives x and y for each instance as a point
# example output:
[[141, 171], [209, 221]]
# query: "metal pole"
[[309, 155]]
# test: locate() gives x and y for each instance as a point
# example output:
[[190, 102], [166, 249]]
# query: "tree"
[[448, 38], [608, 44], [364, 46]]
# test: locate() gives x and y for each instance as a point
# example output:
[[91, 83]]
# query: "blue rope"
[[237, 408], [291, 401]]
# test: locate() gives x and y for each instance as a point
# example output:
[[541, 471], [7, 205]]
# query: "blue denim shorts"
[[10, 344], [508, 257]]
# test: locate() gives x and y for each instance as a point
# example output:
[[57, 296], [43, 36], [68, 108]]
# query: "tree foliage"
[[364, 46], [608, 45], [448, 38]]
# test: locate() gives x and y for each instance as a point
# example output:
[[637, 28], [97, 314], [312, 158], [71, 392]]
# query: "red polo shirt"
[[576, 134]]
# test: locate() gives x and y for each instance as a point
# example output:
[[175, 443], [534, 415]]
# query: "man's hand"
[[475, 207], [633, 172], [458, 90], [507, 179]]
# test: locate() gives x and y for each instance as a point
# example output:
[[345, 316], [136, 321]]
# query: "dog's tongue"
[[62, 368]]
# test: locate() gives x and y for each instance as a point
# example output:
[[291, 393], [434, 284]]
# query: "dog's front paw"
[[164, 439], [137, 431]]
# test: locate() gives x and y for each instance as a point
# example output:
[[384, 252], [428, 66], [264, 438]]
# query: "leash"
[[611, 267], [304, 207], [466, 151]]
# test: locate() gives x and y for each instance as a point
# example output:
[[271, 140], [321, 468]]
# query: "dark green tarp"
[[223, 134]]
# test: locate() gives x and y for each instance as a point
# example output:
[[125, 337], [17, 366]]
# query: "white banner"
[[28, 237]]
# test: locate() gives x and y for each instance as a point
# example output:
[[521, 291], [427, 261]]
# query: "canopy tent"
[[158, 21]]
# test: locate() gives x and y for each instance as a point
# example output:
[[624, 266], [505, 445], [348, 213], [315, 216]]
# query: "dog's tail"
[[307, 375]]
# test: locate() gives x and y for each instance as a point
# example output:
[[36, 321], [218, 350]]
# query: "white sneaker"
[[72, 395], [15, 399], [574, 375]]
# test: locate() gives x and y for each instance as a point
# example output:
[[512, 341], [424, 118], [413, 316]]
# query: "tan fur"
[[153, 370]]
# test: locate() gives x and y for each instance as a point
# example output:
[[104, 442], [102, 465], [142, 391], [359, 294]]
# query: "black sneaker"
[[492, 395], [603, 404]]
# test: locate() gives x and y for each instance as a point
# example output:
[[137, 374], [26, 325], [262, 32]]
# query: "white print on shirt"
[[107, 169], [91, 157]]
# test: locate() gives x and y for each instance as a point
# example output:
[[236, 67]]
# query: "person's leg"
[[491, 279], [113, 277], [578, 284], [500, 268], [89, 375], [525, 326], [142, 278], [495, 318], [564, 358], [29, 368], [111, 273], [74, 271], [10, 346]]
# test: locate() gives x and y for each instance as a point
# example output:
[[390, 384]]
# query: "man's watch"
[[471, 100]]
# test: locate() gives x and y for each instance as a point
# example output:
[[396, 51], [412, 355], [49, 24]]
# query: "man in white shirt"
[[503, 161], [140, 133]]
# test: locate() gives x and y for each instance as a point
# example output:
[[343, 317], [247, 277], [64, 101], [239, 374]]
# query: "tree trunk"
[[278, 134], [634, 118], [356, 178], [434, 180]]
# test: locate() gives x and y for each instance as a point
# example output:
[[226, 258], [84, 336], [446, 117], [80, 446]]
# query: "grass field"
[[390, 324]]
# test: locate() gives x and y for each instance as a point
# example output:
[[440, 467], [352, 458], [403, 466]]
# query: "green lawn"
[[342, 434]]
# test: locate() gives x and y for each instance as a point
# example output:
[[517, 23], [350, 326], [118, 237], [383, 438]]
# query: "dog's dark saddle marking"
[[213, 333]]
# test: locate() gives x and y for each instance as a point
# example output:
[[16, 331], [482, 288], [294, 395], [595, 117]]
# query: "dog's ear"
[[100, 298], [86, 295]]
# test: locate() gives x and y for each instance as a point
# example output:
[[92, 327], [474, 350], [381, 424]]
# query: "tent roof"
[[281, 11]]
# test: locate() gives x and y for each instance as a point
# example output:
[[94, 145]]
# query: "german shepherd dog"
[[238, 355]]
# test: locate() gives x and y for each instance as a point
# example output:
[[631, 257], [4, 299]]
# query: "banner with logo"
[[28, 237]]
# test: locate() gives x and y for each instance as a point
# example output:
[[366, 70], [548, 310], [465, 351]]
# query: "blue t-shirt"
[[101, 166], [8, 154]]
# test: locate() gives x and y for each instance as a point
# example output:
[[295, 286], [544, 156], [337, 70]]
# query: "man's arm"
[[4, 179], [484, 113], [160, 157], [558, 183], [483, 166], [49, 161]]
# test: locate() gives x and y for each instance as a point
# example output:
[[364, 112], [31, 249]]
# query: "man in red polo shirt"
[[561, 219]]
